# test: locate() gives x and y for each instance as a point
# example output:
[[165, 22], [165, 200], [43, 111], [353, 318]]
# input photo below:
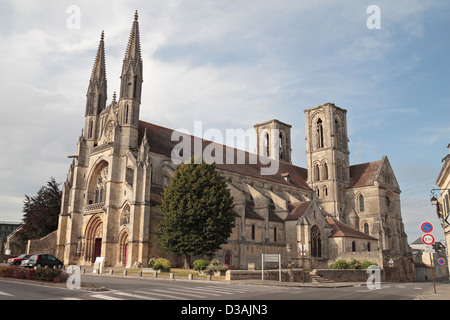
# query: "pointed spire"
[[134, 43], [97, 90], [99, 69]]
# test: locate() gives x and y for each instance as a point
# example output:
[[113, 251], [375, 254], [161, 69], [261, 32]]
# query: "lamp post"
[[434, 202]]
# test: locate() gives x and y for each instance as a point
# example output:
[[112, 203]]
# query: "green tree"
[[41, 211], [198, 214]]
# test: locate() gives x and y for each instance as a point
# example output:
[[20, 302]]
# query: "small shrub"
[[151, 262], [215, 267], [161, 264], [48, 274], [339, 264], [200, 265], [366, 264]]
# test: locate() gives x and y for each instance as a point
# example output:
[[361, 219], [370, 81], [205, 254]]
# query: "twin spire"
[[96, 96]]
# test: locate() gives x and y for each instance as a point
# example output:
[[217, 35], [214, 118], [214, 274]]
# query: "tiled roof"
[[340, 229], [159, 140], [364, 174], [297, 210]]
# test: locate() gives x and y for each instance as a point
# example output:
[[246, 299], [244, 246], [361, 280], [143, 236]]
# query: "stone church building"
[[110, 206]]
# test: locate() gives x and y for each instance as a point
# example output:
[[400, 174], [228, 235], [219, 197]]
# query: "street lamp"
[[434, 202]]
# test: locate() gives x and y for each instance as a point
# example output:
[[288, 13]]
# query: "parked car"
[[44, 260], [18, 260]]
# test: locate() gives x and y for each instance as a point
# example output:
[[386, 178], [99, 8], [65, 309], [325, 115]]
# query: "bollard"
[[140, 273], [190, 277], [111, 271], [125, 272], [155, 274], [171, 276], [208, 277]]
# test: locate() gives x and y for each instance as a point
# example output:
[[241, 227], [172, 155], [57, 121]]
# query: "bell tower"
[[131, 89], [273, 140], [328, 156]]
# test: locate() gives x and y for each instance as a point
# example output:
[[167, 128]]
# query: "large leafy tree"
[[41, 211], [198, 214]]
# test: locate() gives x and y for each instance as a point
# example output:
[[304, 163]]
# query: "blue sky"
[[232, 64]]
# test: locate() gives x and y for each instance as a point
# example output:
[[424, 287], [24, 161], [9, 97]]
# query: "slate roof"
[[159, 140], [340, 229]]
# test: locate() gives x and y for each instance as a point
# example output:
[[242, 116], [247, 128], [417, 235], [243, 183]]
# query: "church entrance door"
[[98, 248]]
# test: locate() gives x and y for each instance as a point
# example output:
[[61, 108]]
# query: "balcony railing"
[[94, 206]]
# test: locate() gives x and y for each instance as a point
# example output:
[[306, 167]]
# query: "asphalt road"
[[132, 288]]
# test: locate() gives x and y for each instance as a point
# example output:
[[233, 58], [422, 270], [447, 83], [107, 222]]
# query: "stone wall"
[[46, 245], [346, 275]]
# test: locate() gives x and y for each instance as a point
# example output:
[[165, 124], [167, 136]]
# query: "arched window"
[[316, 243], [281, 142], [316, 172], [135, 87], [368, 246], [361, 203], [126, 114], [267, 144], [319, 133], [325, 171], [366, 228], [275, 234], [90, 129], [353, 246], [253, 232]]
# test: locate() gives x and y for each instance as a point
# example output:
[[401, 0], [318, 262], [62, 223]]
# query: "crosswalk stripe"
[[237, 290], [194, 290], [180, 293], [105, 297], [162, 295], [71, 298], [137, 296], [213, 290], [5, 294]]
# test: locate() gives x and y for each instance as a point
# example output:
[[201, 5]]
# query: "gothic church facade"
[[332, 209]]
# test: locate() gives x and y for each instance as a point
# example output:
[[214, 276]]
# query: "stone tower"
[[273, 140], [328, 156], [131, 89], [96, 96]]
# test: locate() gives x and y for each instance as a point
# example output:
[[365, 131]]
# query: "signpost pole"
[[432, 272], [262, 267], [279, 265]]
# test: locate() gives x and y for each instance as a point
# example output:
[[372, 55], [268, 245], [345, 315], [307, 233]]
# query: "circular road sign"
[[426, 227], [441, 261], [428, 239]]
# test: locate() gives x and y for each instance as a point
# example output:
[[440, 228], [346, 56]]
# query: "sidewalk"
[[442, 292]]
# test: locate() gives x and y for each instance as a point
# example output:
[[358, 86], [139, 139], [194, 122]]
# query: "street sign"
[[429, 249], [426, 227], [441, 261], [428, 239], [271, 257]]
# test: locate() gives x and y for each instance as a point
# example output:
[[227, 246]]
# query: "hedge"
[[46, 274]]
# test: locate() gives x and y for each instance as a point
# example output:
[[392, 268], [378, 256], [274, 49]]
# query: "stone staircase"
[[317, 279]]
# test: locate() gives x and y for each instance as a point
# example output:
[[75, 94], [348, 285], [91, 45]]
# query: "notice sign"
[[426, 227], [428, 239]]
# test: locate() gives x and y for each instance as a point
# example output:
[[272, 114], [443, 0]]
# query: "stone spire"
[[97, 90], [131, 78]]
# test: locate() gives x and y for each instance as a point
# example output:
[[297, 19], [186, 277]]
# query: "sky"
[[232, 64]]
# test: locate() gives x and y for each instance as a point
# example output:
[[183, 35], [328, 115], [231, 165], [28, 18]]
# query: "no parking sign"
[[441, 261], [426, 227]]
